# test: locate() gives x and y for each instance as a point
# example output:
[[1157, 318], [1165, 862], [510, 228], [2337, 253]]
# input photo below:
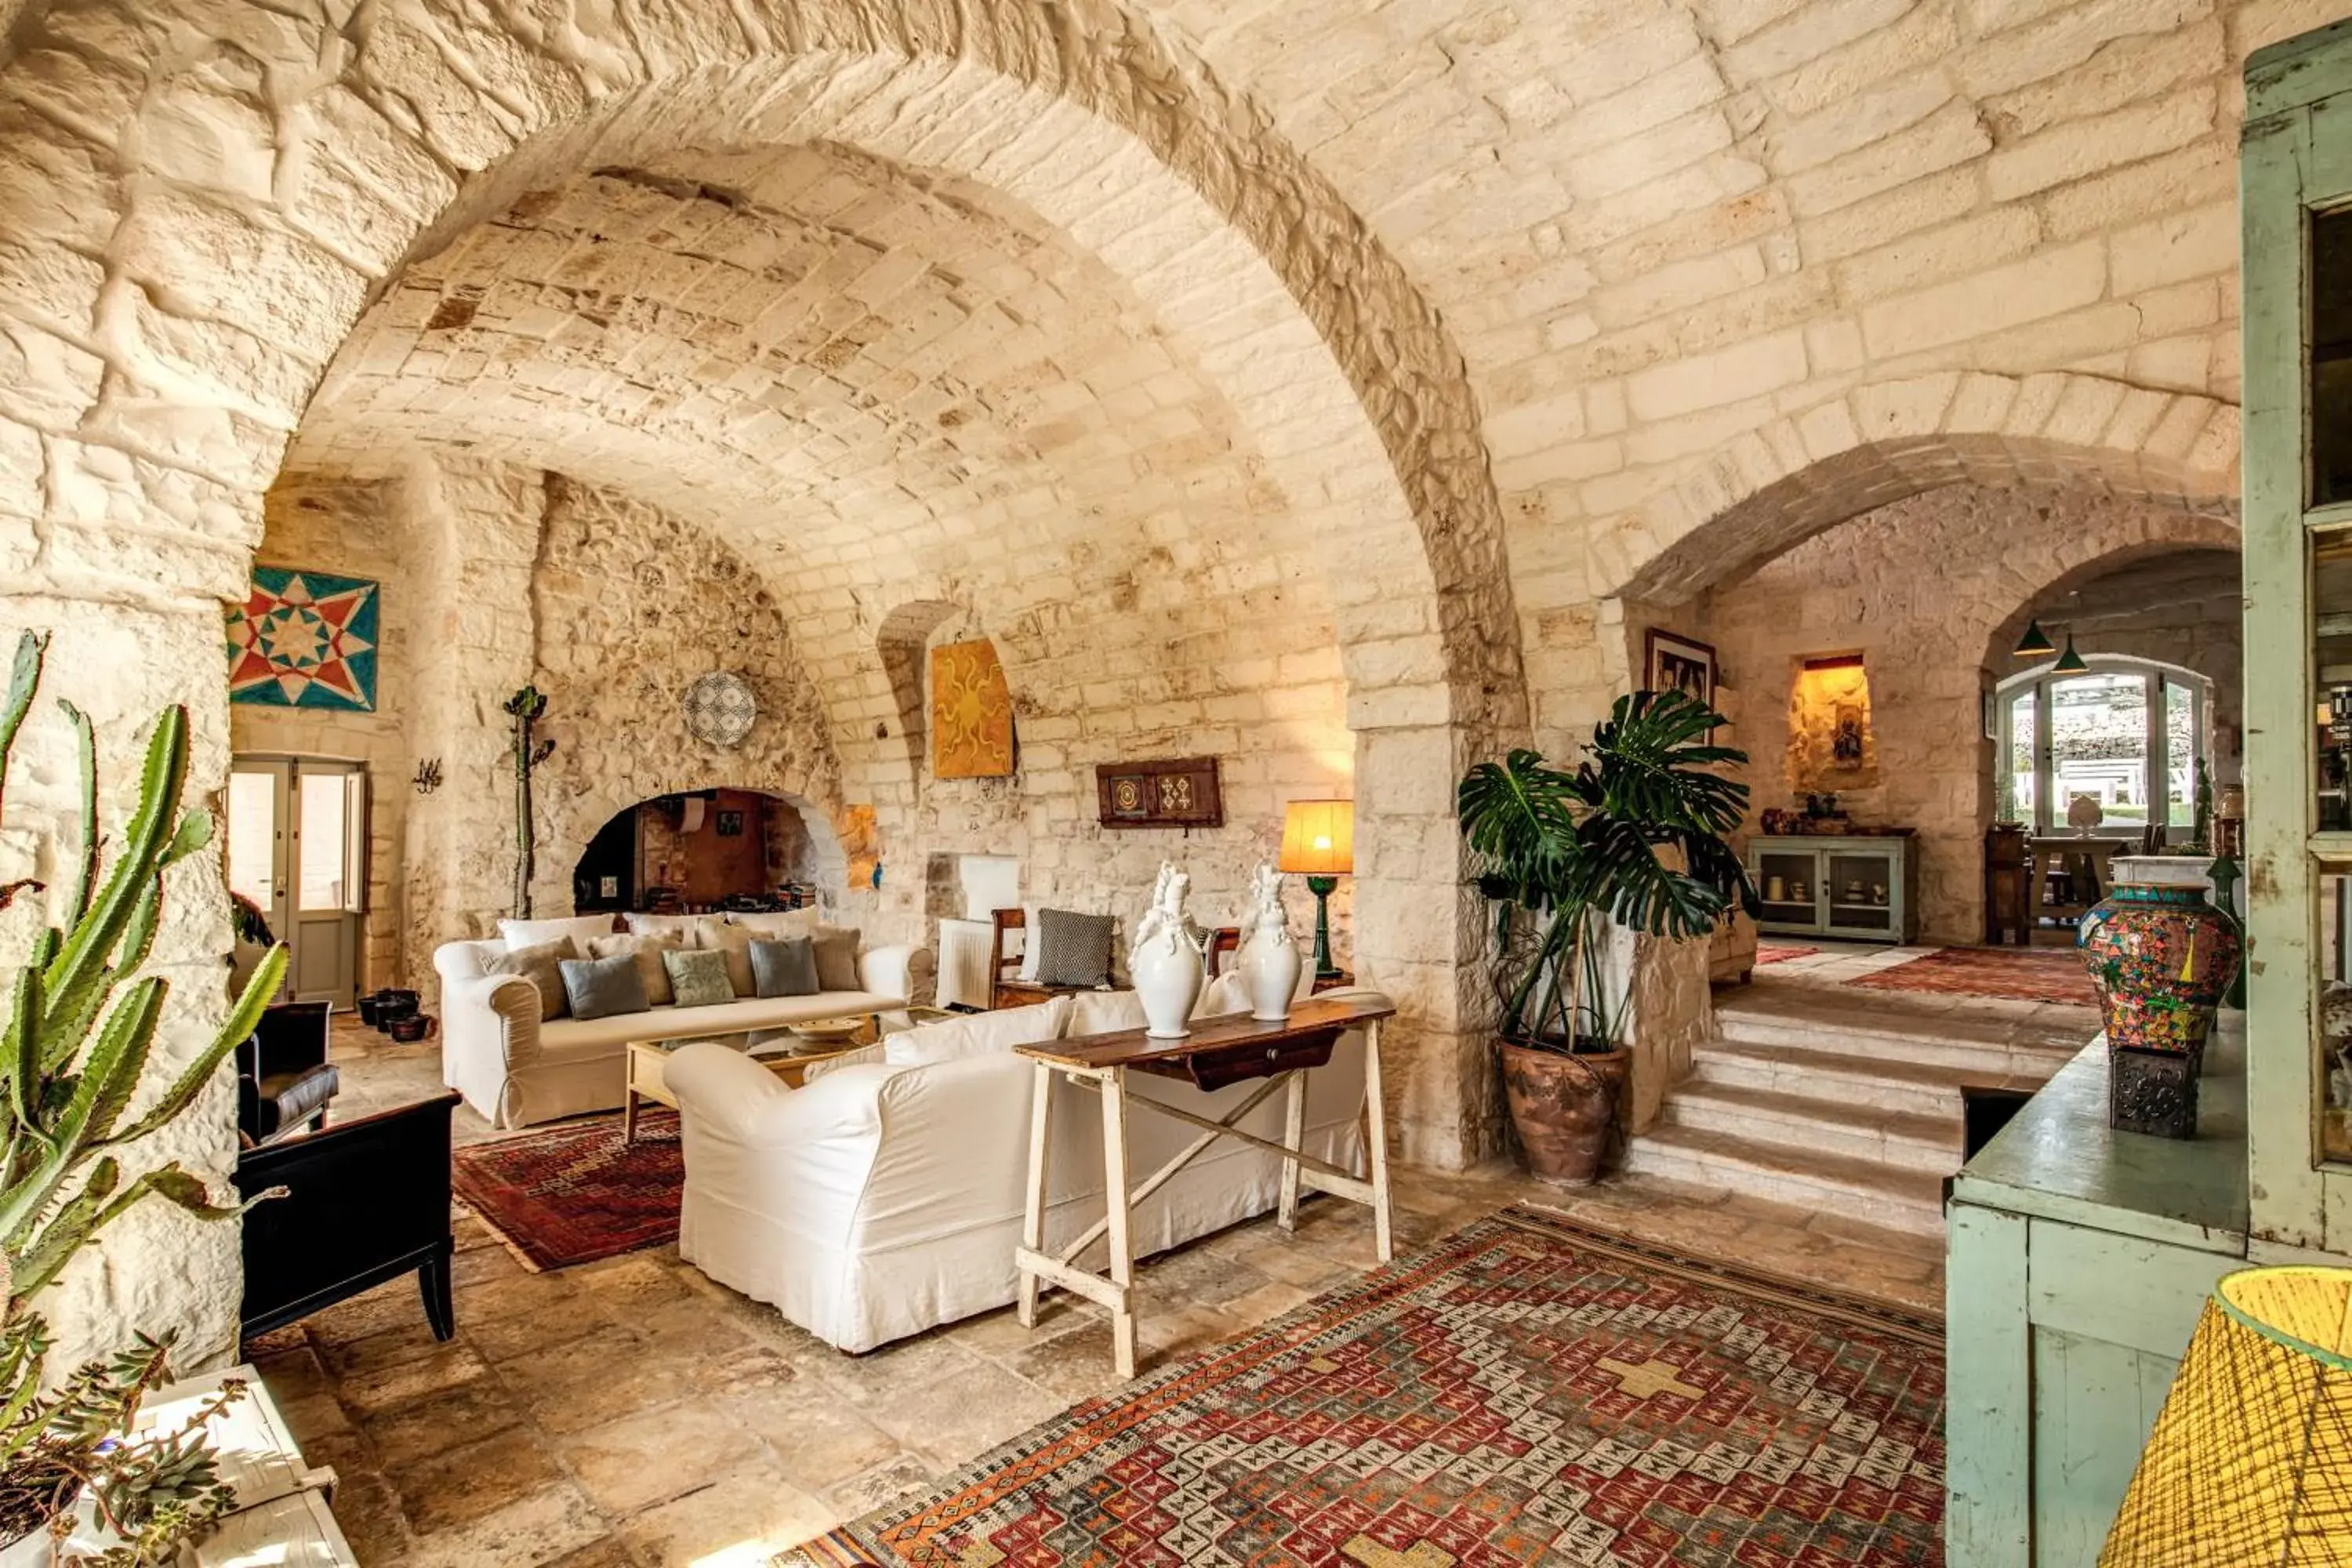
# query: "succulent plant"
[[74, 1047]]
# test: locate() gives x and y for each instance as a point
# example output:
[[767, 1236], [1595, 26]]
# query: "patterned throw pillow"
[[648, 950], [538, 966], [1073, 949], [784, 968], [735, 943], [698, 977], [603, 987]]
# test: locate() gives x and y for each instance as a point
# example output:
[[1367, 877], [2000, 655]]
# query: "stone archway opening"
[[715, 849]]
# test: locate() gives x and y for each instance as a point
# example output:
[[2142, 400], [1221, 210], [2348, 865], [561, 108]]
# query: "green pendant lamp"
[[2070, 662], [2035, 643]]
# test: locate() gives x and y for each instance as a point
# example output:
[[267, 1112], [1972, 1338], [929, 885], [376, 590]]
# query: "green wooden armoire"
[[2079, 1258]]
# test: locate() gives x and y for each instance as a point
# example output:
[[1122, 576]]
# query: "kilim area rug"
[[1772, 952], [1526, 1391], [2011, 973], [576, 1193]]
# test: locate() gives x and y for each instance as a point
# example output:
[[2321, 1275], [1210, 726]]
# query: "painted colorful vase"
[[2161, 958]]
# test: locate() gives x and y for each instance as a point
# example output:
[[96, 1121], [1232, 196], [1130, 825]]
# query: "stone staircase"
[[1848, 1101]]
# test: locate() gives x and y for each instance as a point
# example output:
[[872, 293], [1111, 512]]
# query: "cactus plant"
[[75, 1046], [526, 706]]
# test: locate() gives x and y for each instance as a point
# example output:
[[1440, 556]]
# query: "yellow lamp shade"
[[1319, 838], [2250, 1461]]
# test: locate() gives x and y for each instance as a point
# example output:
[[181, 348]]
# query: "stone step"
[[1903, 1140], [1877, 1084], [1863, 1190], [1993, 1039]]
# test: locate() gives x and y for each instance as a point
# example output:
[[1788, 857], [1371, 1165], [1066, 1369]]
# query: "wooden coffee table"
[[648, 1059]]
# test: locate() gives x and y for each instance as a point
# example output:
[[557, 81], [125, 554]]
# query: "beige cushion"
[[979, 1035], [675, 925], [735, 943], [836, 958], [1103, 1013], [648, 950], [539, 965], [579, 929], [778, 923]]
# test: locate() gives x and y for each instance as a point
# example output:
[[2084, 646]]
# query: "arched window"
[[2128, 732]]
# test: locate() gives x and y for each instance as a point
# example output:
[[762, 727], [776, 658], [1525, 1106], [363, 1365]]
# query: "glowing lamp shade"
[[1319, 838], [2250, 1461]]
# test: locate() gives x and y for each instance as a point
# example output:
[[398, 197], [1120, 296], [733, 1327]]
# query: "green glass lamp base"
[[1323, 888]]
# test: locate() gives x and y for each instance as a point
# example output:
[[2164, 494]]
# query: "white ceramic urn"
[[1268, 962], [1163, 963]]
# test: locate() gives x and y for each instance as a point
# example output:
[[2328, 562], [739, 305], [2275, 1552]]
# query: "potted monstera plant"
[[75, 1050], [1634, 835]]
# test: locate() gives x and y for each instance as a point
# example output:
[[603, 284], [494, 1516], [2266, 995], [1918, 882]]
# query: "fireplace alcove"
[[704, 849]]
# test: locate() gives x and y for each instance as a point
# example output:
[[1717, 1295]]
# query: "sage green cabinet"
[[1857, 885]]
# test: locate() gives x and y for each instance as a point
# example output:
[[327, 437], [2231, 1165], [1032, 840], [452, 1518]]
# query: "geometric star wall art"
[[304, 639]]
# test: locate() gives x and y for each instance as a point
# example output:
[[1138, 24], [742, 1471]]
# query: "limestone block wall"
[[345, 528], [1925, 590]]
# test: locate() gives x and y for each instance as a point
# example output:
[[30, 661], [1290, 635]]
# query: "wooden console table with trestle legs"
[[1218, 1053]]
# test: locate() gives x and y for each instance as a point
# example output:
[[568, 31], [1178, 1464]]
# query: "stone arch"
[[166, 332], [2191, 537], [1779, 486], [900, 642]]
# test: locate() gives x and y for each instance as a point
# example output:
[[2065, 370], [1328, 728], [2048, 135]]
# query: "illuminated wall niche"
[[1831, 746]]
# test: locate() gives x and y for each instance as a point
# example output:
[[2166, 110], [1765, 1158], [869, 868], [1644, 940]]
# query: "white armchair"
[[881, 1199]]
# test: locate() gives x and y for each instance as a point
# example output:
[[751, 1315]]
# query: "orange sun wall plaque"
[[972, 713]]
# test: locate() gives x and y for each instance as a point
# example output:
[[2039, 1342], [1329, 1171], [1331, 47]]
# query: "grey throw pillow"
[[648, 951], [786, 967], [603, 987], [836, 959], [698, 977], [538, 966], [1073, 949]]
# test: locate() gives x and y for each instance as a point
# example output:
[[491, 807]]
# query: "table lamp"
[[2250, 1461], [1318, 842]]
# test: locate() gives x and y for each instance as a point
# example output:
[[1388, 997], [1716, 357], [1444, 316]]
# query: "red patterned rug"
[[1772, 952], [2010, 973], [575, 1194], [1526, 1391]]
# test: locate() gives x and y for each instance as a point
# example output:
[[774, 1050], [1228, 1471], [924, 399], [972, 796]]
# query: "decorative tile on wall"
[[304, 639], [972, 713]]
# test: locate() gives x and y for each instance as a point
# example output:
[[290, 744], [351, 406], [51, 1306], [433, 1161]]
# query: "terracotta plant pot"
[[1566, 1109]]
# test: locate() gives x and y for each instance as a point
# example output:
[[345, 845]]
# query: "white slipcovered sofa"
[[886, 1196], [517, 1070]]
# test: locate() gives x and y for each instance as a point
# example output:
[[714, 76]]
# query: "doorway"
[[298, 849]]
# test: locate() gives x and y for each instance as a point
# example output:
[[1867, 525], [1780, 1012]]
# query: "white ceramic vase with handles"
[[1163, 962], [1269, 964]]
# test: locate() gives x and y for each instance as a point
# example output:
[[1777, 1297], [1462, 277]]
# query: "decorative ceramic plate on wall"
[[720, 708]]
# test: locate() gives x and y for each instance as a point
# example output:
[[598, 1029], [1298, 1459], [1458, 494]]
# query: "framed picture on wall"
[[1677, 664], [730, 825]]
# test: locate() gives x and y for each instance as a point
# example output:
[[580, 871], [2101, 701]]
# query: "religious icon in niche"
[[972, 713], [1845, 744], [730, 825]]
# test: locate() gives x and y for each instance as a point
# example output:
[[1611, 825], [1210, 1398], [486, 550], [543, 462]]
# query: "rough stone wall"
[[1922, 589], [631, 605], [346, 529]]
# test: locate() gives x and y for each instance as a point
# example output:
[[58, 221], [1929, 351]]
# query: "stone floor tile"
[[367, 1510], [817, 1438], [530, 1531], [460, 1485], [740, 1521], [610, 1553], [439, 1370], [550, 1327], [452, 1418], [901, 1479], [1070, 1366], [653, 1457], [516, 1290], [386, 1348]]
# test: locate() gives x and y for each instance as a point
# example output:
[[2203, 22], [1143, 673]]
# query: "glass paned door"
[[1860, 897], [297, 847], [2022, 772], [1788, 885], [2181, 758], [2099, 746]]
